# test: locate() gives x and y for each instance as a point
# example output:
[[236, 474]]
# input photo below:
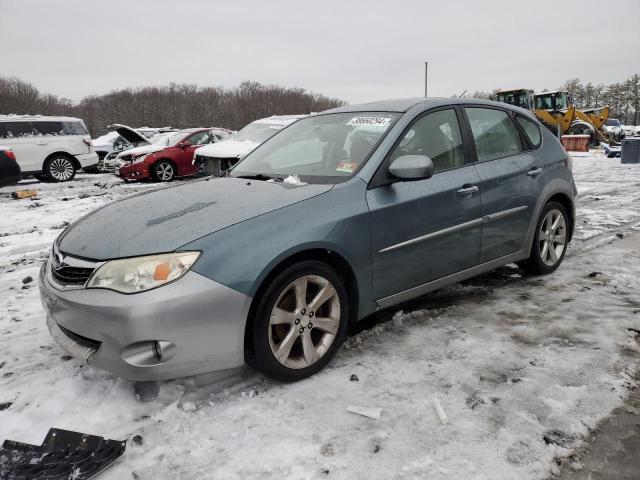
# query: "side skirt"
[[420, 290]]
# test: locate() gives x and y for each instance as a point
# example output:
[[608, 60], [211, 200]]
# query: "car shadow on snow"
[[479, 287]]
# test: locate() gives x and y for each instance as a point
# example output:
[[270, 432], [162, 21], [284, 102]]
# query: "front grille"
[[66, 275], [79, 339]]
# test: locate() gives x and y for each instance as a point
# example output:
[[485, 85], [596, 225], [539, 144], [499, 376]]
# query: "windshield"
[[519, 99], [612, 122], [319, 149], [258, 132], [168, 139]]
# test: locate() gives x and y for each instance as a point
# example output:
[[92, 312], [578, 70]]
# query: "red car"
[[169, 156]]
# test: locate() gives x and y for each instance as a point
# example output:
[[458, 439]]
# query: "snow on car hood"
[[142, 150], [227, 149], [168, 218]]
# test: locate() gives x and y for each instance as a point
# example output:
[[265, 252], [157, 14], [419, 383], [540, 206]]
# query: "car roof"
[[280, 119], [406, 104], [44, 118]]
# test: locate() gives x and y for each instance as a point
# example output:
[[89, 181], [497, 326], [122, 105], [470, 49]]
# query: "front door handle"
[[42, 143], [468, 190], [534, 172]]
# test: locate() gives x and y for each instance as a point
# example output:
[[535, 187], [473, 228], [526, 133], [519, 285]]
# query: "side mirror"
[[184, 144], [411, 167]]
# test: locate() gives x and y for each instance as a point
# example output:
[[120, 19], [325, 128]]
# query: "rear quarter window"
[[74, 128], [47, 128], [531, 131]]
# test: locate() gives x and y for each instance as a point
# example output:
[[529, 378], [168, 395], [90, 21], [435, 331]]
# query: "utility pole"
[[426, 76]]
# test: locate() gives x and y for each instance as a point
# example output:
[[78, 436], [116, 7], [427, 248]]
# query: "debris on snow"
[[440, 411], [20, 194], [27, 279], [354, 378], [371, 412]]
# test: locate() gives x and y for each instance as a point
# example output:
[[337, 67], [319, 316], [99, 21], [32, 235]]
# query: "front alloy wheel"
[[304, 321], [300, 321], [163, 171]]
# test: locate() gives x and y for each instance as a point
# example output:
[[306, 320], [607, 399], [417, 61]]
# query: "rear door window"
[[494, 133], [47, 128], [531, 130], [18, 129]]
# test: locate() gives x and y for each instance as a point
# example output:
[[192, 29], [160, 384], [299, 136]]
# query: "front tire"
[[163, 171], [550, 240], [59, 169], [300, 321]]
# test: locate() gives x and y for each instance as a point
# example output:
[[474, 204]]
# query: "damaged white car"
[[219, 157]]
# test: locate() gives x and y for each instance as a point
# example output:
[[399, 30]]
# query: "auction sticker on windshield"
[[347, 167], [373, 121]]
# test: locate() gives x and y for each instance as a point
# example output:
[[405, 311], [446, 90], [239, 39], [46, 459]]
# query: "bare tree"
[[176, 105]]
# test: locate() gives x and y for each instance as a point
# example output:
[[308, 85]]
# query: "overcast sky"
[[353, 50]]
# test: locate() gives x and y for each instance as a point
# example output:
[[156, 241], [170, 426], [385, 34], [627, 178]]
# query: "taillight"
[[10, 154]]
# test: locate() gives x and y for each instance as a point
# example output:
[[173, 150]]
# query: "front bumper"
[[133, 171], [203, 320]]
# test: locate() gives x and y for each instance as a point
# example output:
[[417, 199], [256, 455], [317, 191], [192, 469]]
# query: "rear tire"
[[163, 171], [59, 168], [549, 241], [300, 321]]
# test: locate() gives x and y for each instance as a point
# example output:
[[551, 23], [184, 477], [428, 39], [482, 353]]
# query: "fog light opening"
[[149, 353]]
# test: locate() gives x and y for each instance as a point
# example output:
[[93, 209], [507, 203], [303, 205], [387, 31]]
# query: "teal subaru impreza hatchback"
[[338, 215]]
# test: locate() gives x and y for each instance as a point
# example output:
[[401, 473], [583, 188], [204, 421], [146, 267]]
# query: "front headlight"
[[140, 158], [133, 275]]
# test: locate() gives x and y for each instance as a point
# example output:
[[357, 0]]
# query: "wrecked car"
[[338, 215], [168, 156], [219, 157]]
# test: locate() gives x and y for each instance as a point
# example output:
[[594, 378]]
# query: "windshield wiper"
[[260, 176]]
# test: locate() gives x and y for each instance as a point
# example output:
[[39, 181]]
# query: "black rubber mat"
[[63, 455]]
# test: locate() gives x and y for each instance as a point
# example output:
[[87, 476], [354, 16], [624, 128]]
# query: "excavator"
[[557, 111]]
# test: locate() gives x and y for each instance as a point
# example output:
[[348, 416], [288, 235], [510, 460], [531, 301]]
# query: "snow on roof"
[[27, 118], [555, 92]]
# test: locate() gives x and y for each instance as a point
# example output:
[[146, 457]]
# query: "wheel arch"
[[557, 191], [152, 167], [564, 200], [62, 153], [330, 257]]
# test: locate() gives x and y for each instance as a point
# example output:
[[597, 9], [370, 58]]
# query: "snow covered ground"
[[524, 367]]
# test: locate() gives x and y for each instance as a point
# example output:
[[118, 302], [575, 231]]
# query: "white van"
[[51, 148]]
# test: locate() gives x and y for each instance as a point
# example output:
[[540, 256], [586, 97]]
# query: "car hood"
[[167, 218], [142, 150], [227, 149], [129, 134]]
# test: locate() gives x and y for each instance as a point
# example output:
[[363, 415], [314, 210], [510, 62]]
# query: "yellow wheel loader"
[[557, 112]]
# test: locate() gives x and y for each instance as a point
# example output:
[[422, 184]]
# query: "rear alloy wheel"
[[550, 242], [59, 169], [164, 171], [300, 321]]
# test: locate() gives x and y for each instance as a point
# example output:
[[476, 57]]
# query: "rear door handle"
[[534, 172], [468, 190], [42, 143]]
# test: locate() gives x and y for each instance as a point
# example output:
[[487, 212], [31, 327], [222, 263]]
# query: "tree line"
[[175, 105], [622, 97]]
